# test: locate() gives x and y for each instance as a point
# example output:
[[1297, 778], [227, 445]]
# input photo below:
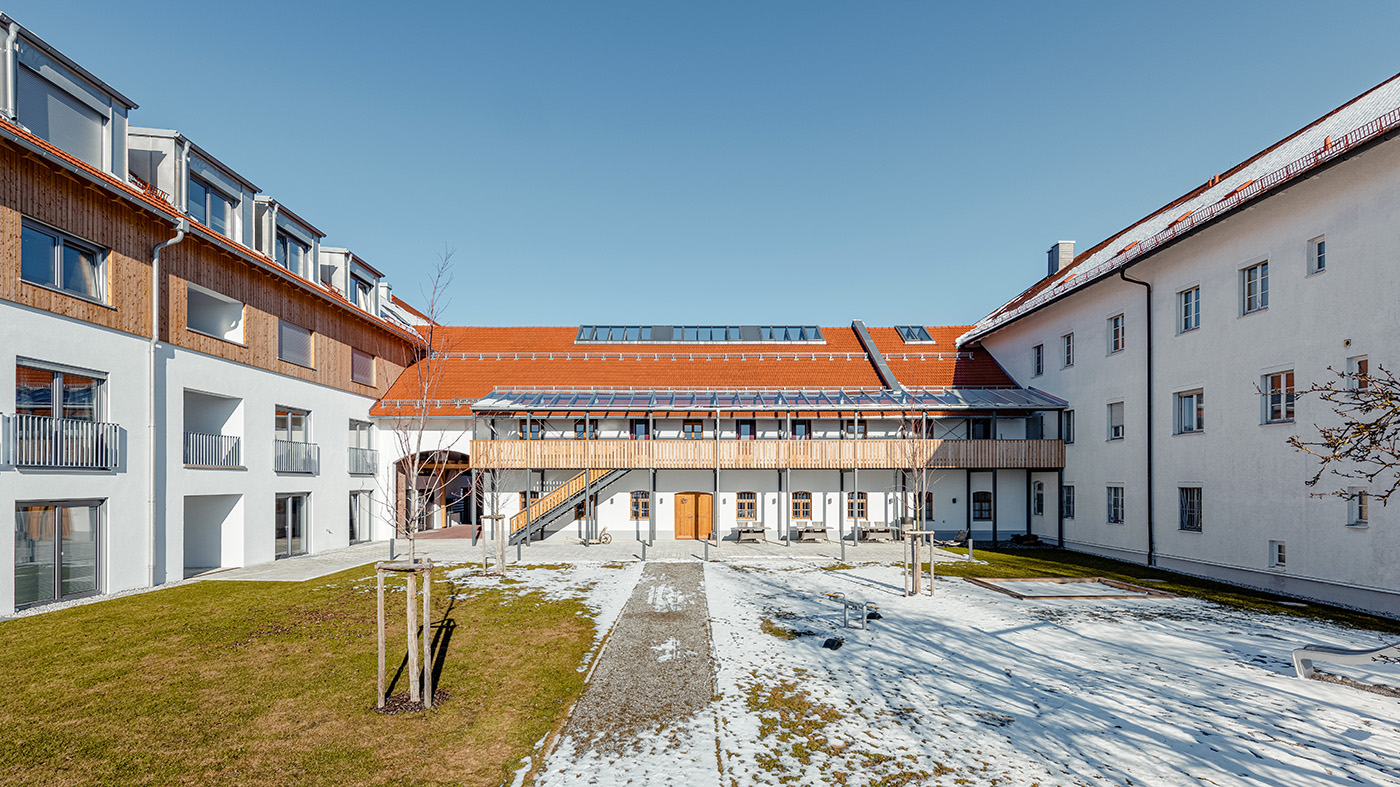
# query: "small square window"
[[361, 367], [1359, 370], [531, 429], [1278, 554], [1358, 506], [294, 344], [1278, 397], [1189, 306], [854, 429], [1190, 412], [692, 430], [1317, 254], [1116, 337], [1254, 288]]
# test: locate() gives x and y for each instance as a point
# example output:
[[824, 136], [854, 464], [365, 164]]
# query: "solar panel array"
[[671, 334]]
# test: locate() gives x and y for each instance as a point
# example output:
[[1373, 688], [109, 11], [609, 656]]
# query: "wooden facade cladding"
[[40, 190], [767, 454]]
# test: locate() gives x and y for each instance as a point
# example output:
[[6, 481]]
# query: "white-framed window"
[[294, 344], [1358, 506], [1189, 508], [1117, 340], [1189, 310], [361, 434], [291, 425], [360, 291], [292, 254], [1038, 498], [1067, 426], [1359, 372], [1190, 411], [54, 259], [1067, 350], [1254, 288], [1115, 421], [1278, 397], [213, 314], [1115, 505], [1317, 254], [1278, 554], [211, 207], [361, 367], [59, 392], [1067, 502], [1038, 360]]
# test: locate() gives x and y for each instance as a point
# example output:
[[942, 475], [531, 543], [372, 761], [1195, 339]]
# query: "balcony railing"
[[213, 450], [768, 454], [294, 457], [41, 441], [364, 461]]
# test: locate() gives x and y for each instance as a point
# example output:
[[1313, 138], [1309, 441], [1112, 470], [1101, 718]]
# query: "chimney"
[[1060, 256]]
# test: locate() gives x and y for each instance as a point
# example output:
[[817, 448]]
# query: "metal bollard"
[[517, 551], [707, 550], [644, 551]]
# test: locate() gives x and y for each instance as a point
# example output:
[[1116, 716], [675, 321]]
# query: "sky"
[[767, 162]]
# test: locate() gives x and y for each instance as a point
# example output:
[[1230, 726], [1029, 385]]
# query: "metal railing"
[[42, 441], [364, 461], [213, 450], [294, 457]]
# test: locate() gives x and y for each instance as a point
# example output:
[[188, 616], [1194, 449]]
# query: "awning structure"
[[520, 400]]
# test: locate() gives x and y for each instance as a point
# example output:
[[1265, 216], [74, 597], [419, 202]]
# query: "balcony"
[[768, 454], [364, 461], [61, 443], [295, 457], [213, 450]]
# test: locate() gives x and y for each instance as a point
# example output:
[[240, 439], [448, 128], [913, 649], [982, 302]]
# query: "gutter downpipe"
[[152, 450], [1151, 509], [11, 65]]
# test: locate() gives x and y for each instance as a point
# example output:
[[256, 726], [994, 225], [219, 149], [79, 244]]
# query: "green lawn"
[[234, 683], [1022, 563]]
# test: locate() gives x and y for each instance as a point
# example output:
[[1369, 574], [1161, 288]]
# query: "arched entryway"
[[439, 495]]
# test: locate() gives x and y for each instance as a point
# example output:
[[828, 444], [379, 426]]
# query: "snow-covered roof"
[[1342, 131]]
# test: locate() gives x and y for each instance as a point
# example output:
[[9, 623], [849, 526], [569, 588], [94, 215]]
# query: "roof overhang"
[[621, 400]]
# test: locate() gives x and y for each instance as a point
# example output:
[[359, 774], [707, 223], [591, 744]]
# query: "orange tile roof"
[[477, 360], [979, 371]]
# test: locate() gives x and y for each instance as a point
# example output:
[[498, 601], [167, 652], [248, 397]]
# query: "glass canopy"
[[760, 399]]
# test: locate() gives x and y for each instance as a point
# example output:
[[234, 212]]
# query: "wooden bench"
[[807, 531], [876, 531], [754, 531]]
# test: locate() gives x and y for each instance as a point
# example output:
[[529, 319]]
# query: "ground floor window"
[[855, 505], [1189, 505], [746, 506], [641, 505], [801, 505], [359, 516], [1115, 505], [289, 527], [55, 550], [928, 506], [1067, 502], [1038, 498], [982, 506]]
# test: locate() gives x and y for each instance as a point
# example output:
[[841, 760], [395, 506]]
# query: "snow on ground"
[[978, 686]]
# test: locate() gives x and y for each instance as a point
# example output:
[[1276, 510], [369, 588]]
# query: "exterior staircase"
[[548, 509]]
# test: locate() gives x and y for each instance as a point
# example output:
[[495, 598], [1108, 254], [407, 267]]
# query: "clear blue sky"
[[714, 162]]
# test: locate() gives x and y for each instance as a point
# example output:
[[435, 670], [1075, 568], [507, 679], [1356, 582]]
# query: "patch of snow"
[[664, 598], [670, 650]]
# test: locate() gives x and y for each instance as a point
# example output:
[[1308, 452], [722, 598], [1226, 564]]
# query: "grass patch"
[[272, 683], [773, 629], [1024, 563]]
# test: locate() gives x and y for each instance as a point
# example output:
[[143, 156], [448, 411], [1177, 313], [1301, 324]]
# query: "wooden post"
[[380, 703], [427, 636], [412, 636]]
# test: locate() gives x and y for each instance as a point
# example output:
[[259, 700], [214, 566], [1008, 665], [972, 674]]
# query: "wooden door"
[[685, 515], [703, 522]]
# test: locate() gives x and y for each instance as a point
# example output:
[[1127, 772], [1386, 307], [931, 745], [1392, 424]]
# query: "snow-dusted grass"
[[975, 687]]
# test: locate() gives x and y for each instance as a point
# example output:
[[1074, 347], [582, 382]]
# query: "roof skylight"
[[913, 333]]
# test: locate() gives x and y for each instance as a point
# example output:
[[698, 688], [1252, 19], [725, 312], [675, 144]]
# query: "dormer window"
[[210, 207], [292, 254], [360, 292], [59, 118]]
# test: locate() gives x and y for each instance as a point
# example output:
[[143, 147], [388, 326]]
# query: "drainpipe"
[[10, 76], [151, 448], [1151, 509]]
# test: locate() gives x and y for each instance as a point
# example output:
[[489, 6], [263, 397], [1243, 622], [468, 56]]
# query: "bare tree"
[[914, 459], [1364, 443]]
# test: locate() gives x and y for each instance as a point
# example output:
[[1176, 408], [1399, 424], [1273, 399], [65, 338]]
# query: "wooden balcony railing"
[[41, 441], [767, 454]]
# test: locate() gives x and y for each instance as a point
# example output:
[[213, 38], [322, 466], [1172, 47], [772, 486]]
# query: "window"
[[1038, 498], [361, 367], [1115, 505], [1067, 426], [289, 526], [361, 434], [56, 551], [745, 430], [1067, 346], [1278, 555], [979, 429], [526, 498], [360, 292], [1190, 310], [1360, 370], [582, 506], [1255, 287], [211, 208], [692, 430], [641, 505], [1115, 421], [1190, 412], [1116, 338], [802, 430], [1067, 502], [640, 429], [292, 254], [1038, 360], [853, 429], [913, 333], [855, 505], [981, 506], [534, 427], [55, 259], [1317, 254], [801, 505], [290, 425], [1358, 506], [212, 314], [37, 391], [584, 429], [746, 506], [294, 344], [1189, 508], [360, 521], [928, 506], [1278, 397], [56, 116]]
